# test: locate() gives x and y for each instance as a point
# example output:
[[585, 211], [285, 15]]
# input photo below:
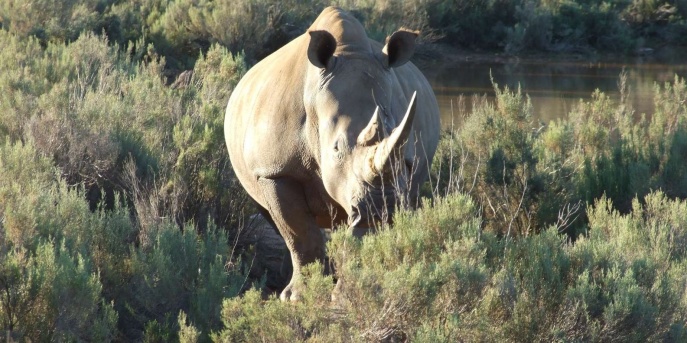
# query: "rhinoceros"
[[332, 128]]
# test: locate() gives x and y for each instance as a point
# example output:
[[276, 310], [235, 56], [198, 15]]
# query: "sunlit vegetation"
[[181, 29], [113, 186], [437, 276], [528, 175], [121, 220]]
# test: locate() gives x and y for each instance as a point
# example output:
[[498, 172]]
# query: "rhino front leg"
[[285, 201]]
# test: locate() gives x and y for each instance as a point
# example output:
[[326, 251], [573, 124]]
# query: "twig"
[[522, 197]]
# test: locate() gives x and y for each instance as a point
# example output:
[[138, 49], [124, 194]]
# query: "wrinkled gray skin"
[[323, 132]]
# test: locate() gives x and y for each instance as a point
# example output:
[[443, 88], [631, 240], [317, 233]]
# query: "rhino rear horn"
[[396, 140], [373, 132]]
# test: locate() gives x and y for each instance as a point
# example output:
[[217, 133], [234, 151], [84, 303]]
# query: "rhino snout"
[[376, 208]]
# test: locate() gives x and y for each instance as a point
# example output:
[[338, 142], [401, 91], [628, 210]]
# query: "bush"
[[68, 273], [437, 276], [174, 142], [102, 179], [527, 177], [50, 243], [50, 20], [250, 319]]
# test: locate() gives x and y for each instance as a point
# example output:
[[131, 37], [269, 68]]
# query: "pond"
[[554, 87]]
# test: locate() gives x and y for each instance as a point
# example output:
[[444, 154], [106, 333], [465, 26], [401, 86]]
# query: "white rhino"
[[332, 127]]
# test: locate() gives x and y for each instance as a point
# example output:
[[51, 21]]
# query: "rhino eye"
[[338, 148]]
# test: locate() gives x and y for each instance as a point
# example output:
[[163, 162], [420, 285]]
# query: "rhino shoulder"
[[265, 114]]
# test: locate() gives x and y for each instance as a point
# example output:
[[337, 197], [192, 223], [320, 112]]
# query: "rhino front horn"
[[396, 139]]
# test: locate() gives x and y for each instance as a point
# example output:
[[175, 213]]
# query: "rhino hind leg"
[[285, 201]]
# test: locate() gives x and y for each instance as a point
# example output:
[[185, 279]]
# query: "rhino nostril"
[[355, 218]]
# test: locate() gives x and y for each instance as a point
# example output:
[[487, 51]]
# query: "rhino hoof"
[[290, 293]]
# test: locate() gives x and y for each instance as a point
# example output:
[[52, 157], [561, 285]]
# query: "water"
[[554, 87]]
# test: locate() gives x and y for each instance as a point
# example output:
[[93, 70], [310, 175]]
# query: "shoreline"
[[433, 53]]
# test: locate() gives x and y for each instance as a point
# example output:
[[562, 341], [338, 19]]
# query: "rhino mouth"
[[376, 207]]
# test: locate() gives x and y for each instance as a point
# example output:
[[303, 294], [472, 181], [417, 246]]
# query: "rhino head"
[[364, 119]]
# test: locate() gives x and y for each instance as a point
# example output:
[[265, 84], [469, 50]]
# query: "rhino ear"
[[321, 48], [399, 48]]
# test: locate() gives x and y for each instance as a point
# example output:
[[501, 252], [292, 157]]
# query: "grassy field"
[[120, 218]]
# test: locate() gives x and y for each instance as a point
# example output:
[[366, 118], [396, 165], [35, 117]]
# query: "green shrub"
[[174, 142], [201, 175], [173, 269], [181, 29], [75, 271], [437, 276], [51, 249], [426, 264], [386, 279], [527, 177], [50, 20], [493, 156], [67, 303], [250, 319], [85, 115]]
